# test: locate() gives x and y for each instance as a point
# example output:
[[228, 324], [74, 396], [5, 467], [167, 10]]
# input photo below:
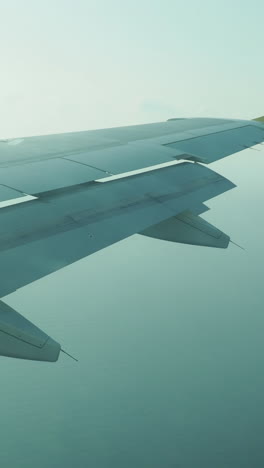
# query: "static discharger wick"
[[65, 352], [237, 245]]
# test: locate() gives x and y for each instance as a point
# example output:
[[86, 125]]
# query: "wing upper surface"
[[39, 164], [76, 216], [211, 147]]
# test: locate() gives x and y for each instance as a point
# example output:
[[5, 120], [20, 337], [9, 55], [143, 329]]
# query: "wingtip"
[[260, 119]]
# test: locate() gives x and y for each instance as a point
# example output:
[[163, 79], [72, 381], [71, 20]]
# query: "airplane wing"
[[64, 197]]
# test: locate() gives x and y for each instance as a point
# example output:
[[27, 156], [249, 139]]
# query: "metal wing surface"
[[88, 194]]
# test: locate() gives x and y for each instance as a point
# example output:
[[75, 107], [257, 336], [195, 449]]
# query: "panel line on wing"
[[89, 165]]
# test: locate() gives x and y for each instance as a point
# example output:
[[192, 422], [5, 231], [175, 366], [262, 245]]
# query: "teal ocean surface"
[[170, 345]]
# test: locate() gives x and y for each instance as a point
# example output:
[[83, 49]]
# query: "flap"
[[188, 228], [19, 338], [46, 234]]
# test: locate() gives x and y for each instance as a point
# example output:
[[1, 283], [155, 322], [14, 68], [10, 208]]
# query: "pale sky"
[[75, 64]]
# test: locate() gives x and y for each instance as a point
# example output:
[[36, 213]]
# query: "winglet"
[[259, 119]]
